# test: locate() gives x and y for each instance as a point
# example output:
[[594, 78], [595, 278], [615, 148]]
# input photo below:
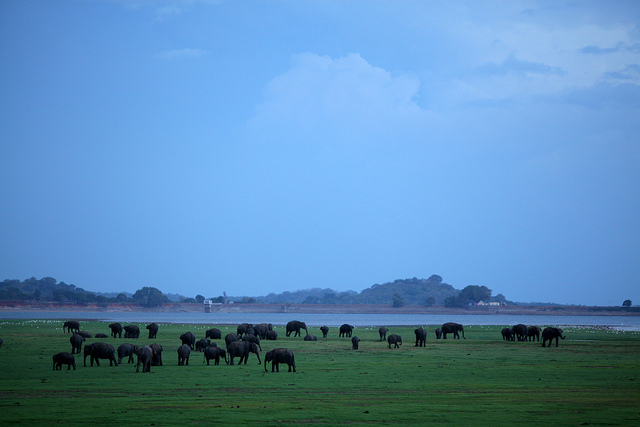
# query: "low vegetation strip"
[[592, 377]]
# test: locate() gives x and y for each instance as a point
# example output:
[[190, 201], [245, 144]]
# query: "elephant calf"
[[64, 358], [215, 353], [354, 342], [183, 355], [394, 339]]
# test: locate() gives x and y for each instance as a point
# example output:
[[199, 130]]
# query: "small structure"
[[207, 306]]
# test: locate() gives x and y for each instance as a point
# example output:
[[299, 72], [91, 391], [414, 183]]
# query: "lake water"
[[630, 323]]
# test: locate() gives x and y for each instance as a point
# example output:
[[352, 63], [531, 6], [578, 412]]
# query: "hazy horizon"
[[203, 147]]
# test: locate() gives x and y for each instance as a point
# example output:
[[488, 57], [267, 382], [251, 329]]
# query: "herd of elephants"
[[245, 341]]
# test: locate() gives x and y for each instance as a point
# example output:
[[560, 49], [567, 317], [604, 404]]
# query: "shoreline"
[[325, 309]]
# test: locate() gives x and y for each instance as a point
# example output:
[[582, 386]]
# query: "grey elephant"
[[71, 326], [213, 333], [153, 330], [533, 333], [76, 343], [156, 360], [345, 330], [252, 338], [127, 350], [229, 338], [131, 331], [84, 334], [383, 332], [272, 335], [277, 356], [395, 340], [214, 353], [245, 328], [203, 343], [1, 342], [261, 329], [520, 332], [100, 350], [145, 357], [64, 358], [507, 334], [354, 342], [116, 329], [183, 355], [189, 339], [438, 333], [325, 330], [295, 326], [242, 349], [310, 337], [421, 337], [101, 335], [452, 328], [550, 333]]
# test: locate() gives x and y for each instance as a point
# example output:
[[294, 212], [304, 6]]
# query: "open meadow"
[[593, 377]]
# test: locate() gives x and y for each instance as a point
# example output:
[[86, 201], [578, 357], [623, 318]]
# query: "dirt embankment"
[[327, 308]]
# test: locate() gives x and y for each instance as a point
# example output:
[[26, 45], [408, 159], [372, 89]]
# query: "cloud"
[[176, 54], [513, 65]]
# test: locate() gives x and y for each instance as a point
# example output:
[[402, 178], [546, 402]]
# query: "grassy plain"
[[593, 377]]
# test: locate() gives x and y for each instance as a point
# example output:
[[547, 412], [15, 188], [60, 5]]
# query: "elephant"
[[507, 334], [229, 338], [156, 360], [533, 333], [101, 335], [345, 330], [84, 334], [131, 331], [550, 333], [244, 328], [354, 342], [189, 339], [394, 339], [452, 328], [277, 356], [383, 333], [203, 343], [1, 342], [310, 338], [76, 343], [242, 349], [71, 326], [64, 358], [520, 332], [183, 355], [116, 329], [438, 333], [127, 350], [421, 337], [153, 330], [213, 333], [252, 338], [214, 353], [100, 350], [325, 330], [295, 326], [261, 330], [272, 335], [145, 356]]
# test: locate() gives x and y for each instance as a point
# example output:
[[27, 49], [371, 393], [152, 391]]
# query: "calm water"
[[333, 320]]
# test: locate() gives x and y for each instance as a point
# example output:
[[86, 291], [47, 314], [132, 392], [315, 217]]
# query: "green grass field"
[[593, 377]]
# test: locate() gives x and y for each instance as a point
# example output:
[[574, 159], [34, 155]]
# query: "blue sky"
[[267, 146]]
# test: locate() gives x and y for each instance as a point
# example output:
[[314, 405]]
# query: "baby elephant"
[[354, 342], [183, 355], [394, 339], [64, 358]]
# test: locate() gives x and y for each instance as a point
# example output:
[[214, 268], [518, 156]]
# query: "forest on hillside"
[[427, 292]]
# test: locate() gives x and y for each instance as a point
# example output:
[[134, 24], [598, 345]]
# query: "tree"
[[398, 301], [430, 301], [121, 297], [149, 297], [474, 294], [626, 303], [199, 299]]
